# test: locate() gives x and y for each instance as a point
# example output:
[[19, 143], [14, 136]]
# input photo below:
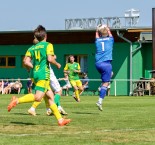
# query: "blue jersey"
[[104, 47]]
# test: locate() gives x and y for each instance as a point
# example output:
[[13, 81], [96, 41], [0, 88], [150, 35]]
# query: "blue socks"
[[103, 92]]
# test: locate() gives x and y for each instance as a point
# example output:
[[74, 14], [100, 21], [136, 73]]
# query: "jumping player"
[[103, 58]]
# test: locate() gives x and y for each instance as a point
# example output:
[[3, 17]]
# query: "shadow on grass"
[[24, 123], [21, 113], [24, 114], [83, 113]]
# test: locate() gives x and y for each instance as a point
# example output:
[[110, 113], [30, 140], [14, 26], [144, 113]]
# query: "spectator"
[[1, 86], [7, 88], [17, 86], [11, 85], [29, 85], [67, 86], [85, 81], [152, 84]]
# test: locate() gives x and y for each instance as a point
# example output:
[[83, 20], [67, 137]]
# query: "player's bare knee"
[[81, 89], [105, 84], [37, 98]]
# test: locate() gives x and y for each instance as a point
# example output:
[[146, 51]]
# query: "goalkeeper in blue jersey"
[[103, 58]]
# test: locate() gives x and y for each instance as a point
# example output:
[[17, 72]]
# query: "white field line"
[[77, 132]]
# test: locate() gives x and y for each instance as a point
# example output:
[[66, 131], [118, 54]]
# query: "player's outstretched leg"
[[13, 103], [25, 99]]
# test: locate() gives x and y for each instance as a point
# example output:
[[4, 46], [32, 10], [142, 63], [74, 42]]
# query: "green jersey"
[[71, 67], [38, 54]]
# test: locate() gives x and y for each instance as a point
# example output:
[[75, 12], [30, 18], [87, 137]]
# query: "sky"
[[28, 14]]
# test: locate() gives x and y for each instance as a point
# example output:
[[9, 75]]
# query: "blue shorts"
[[105, 69]]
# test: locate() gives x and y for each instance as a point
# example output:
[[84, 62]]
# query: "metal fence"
[[117, 86]]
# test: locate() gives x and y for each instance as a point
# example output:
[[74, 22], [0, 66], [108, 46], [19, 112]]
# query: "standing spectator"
[[67, 86], [103, 58], [73, 69]]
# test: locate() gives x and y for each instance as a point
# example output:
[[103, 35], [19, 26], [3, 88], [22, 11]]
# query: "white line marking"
[[78, 132]]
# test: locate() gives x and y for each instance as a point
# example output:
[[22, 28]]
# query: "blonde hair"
[[103, 31]]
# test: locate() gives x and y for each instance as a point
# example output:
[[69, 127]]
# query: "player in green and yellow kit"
[[56, 88], [73, 69], [37, 59]]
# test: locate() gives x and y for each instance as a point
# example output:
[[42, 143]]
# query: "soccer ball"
[[100, 26], [103, 31]]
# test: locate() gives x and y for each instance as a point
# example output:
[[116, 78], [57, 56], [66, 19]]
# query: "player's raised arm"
[[97, 31], [109, 32]]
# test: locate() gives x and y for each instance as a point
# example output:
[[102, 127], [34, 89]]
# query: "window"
[[2, 61], [11, 61], [7, 61], [82, 60]]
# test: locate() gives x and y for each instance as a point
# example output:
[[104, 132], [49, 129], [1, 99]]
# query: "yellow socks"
[[55, 111], [26, 98], [79, 91], [35, 104], [77, 94]]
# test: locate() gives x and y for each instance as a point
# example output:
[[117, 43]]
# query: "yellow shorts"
[[77, 83], [42, 85]]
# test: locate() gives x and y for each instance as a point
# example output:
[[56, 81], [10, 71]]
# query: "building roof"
[[69, 36]]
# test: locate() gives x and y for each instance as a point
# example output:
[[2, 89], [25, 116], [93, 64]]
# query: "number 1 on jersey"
[[102, 43]]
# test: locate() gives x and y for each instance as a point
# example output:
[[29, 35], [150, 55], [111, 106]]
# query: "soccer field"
[[123, 121]]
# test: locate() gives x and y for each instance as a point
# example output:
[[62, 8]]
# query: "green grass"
[[123, 121]]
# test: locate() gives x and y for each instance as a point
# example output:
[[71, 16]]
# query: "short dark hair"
[[70, 57], [40, 33]]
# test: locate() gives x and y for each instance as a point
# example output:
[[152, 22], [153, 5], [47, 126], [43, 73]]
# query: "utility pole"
[[153, 40]]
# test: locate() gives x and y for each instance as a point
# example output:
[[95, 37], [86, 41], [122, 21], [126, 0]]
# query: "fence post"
[[115, 86], [2, 87]]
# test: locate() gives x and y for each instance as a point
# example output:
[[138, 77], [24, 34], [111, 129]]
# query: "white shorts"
[[54, 83], [55, 86], [66, 86]]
